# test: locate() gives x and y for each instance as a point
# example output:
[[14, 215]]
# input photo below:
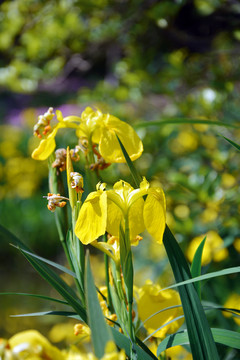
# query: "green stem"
[[128, 273], [107, 279], [79, 253], [60, 217]]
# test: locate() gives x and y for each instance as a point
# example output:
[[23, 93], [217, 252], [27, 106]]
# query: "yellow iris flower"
[[106, 210], [103, 128], [98, 128]]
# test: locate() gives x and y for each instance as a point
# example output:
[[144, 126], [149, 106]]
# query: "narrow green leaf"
[[58, 313], [126, 261], [136, 177], [49, 262], [161, 327], [179, 338], [48, 274], [233, 311], [119, 307], [227, 337], [99, 329], [54, 280], [221, 336], [123, 342], [180, 121], [232, 142], [233, 270], [35, 296], [200, 336], [76, 252], [197, 265], [156, 313]]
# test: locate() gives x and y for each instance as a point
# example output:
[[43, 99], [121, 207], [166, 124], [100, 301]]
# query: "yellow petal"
[[152, 300], [44, 150], [47, 146], [154, 213], [92, 218], [109, 147], [88, 112], [59, 115], [114, 217], [136, 222], [30, 344], [82, 131]]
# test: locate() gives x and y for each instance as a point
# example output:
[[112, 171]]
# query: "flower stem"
[[107, 279]]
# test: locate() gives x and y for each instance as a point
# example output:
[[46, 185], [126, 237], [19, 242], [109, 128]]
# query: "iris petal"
[[108, 145], [114, 217], [91, 222], [44, 149], [154, 213], [136, 222]]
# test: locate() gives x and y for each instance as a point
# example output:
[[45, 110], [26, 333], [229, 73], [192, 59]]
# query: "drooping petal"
[[44, 149], [92, 218], [154, 213], [109, 146]]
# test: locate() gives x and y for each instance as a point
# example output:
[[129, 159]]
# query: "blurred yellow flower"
[[178, 353], [106, 210], [213, 249], [151, 300], [210, 214], [186, 141], [228, 180], [31, 345], [236, 244], [233, 302], [209, 141], [111, 353], [67, 332], [182, 211]]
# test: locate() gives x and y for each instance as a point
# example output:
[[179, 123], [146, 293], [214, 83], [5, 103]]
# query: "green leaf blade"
[[182, 121], [101, 334], [196, 265], [200, 336], [222, 336]]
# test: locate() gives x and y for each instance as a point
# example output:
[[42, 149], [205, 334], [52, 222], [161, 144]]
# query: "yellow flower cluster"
[[233, 302], [213, 249], [20, 176], [31, 345]]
